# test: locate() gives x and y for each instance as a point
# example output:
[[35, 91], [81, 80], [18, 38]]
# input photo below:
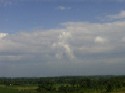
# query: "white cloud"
[[62, 8], [100, 39], [75, 46], [120, 15], [2, 35], [63, 43]]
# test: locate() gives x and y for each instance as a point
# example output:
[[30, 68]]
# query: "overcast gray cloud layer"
[[78, 48]]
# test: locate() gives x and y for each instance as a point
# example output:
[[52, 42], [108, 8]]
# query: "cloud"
[[63, 43], [73, 36], [66, 41], [100, 39], [10, 58], [73, 49], [62, 8], [2, 35], [123, 39], [120, 15]]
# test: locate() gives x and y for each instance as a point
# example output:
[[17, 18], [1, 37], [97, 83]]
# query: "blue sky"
[[32, 14], [62, 37]]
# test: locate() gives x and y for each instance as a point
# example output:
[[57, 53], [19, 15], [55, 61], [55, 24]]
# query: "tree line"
[[70, 84], [98, 84]]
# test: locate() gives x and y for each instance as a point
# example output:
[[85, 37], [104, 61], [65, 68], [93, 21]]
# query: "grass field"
[[18, 89], [32, 89], [7, 90]]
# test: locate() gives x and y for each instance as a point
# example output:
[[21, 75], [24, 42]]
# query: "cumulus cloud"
[[66, 41], [2, 35], [63, 43], [77, 45]]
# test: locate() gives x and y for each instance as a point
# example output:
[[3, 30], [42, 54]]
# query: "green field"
[[32, 89], [7, 90], [18, 89], [91, 84]]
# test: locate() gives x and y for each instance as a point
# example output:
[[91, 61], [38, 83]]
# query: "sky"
[[62, 37]]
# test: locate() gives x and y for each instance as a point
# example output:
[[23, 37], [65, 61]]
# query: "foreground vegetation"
[[72, 84]]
